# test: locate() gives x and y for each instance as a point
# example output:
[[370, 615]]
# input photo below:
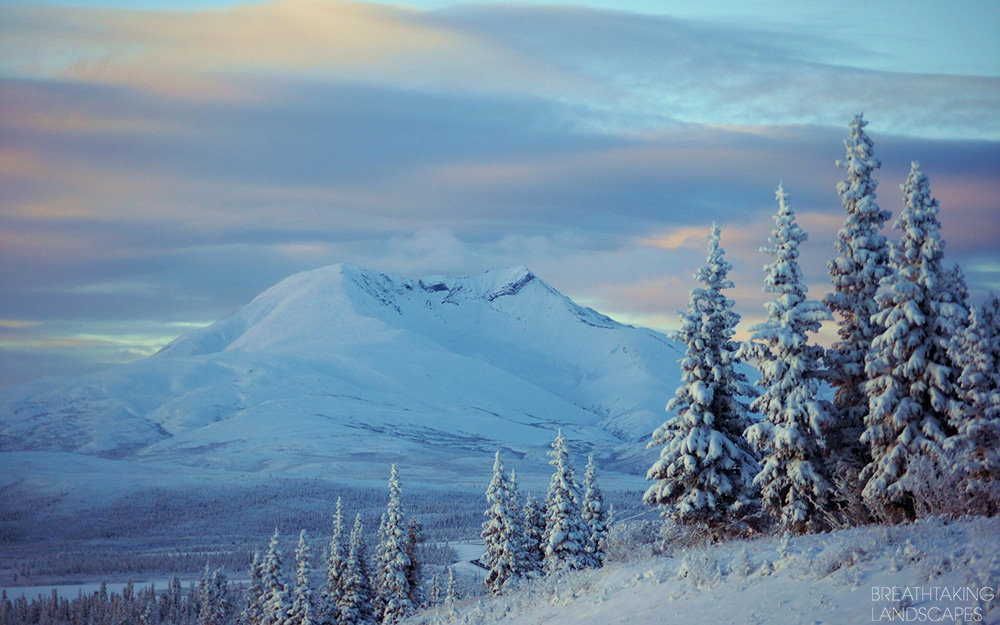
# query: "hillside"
[[929, 571], [333, 372]]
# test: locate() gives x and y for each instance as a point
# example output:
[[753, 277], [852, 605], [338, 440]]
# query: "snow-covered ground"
[[932, 571]]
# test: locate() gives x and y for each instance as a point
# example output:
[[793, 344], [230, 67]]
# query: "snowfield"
[[341, 371], [930, 571]]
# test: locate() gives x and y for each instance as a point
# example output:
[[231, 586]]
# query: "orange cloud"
[[183, 53]]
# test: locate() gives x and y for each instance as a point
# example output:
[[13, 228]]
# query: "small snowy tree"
[[861, 264], [912, 376], [976, 414], [499, 531], [594, 513], [566, 533], [336, 568], [276, 603], [394, 586], [705, 471], [355, 606], [302, 611], [252, 612], [533, 529], [414, 575], [214, 604], [793, 481]]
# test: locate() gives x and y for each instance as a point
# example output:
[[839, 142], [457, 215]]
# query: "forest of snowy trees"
[[914, 420]]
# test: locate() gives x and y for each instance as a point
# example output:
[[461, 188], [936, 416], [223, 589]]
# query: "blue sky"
[[160, 168]]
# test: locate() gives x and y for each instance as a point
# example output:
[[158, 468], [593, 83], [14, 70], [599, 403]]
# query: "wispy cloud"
[[169, 165]]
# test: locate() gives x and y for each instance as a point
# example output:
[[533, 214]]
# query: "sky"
[[161, 163]]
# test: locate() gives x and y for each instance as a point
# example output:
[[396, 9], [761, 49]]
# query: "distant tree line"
[[355, 590], [913, 427]]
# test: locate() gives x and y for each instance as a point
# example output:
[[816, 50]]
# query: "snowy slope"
[[333, 371], [930, 571]]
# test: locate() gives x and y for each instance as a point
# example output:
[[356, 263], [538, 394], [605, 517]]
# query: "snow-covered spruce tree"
[[414, 574], [215, 606], [521, 559], [533, 529], [302, 611], [355, 606], [275, 601], [976, 415], [706, 468], [861, 264], [911, 386], [566, 533], [499, 531], [594, 513], [252, 612], [794, 484], [393, 585], [336, 567]]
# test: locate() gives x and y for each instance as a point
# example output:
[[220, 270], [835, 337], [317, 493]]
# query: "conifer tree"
[[793, 480], [594, 513], [336, 567], [302, 611], [451, 590], [566, 533], [706, 468], [861, 264], [252, 612], [414, 575], [499, 531], [976, 414], [394, 587], [215, 607], [912, 376], [534, 530], [356, 602], [275, 601]]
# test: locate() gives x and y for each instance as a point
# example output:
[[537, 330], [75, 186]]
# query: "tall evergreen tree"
[[706, 468], [336, 570], [275, 601], [302, 611], [499, 531], [793, 480], [976, 414], [394, 587], [356, 602], [861, 264], [594, 513], [566, 533], [912, 376]]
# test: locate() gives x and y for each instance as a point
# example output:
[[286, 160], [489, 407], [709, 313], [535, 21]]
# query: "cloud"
[[170, 165], [185, 53]]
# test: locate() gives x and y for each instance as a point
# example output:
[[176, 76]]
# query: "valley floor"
[[932, 571]]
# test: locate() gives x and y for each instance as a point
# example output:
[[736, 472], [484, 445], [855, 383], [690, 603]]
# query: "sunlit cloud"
[[170, 165]]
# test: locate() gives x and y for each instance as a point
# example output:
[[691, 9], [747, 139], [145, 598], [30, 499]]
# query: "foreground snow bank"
[[930, 571]]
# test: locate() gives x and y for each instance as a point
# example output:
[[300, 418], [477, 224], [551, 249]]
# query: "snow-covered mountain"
[[333, 371]]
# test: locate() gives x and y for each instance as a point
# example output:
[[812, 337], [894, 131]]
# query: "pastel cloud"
[[164, 167]]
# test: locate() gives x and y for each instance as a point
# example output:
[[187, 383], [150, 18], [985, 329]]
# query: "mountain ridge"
[[341, 366]]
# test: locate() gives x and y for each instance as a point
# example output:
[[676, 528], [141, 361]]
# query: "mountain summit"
[[332, 369]]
